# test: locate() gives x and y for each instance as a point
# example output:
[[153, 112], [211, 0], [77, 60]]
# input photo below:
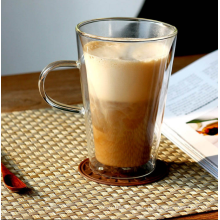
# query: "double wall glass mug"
[[125, 65]]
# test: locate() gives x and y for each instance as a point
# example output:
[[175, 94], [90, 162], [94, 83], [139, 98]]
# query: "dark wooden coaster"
[[159, 173]]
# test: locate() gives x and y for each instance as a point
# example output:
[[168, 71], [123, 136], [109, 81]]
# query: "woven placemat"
[[44, 148]]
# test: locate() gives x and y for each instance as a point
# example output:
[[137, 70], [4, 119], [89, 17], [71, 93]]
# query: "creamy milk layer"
[[125, 72]]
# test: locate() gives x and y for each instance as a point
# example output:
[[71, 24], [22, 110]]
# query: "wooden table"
[[20, 92]]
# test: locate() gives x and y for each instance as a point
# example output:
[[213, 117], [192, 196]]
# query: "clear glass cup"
[[125, 65]]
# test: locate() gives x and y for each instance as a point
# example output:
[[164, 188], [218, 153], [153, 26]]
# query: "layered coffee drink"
[[124, 82]]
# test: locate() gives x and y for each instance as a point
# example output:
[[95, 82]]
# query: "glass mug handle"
[[50, 101]]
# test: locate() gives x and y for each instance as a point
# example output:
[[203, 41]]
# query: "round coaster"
[[159, 173]]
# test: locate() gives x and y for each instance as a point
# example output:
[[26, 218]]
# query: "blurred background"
[[38, 32]]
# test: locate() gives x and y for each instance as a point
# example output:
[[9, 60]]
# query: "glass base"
[[121, 172]]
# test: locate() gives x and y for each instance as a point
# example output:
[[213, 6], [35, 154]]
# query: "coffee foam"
[[124, 72]]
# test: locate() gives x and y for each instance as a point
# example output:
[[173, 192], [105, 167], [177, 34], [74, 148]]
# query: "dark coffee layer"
[[123, 132]]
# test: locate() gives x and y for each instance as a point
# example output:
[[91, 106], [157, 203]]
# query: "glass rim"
[[174, 33]]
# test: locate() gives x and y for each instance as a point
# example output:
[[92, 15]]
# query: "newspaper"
[[191, 115]]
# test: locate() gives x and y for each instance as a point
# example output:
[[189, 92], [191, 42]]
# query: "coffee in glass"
[[124, 79]]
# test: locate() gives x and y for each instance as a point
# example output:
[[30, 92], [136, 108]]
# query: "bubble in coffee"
[[124, 82]]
